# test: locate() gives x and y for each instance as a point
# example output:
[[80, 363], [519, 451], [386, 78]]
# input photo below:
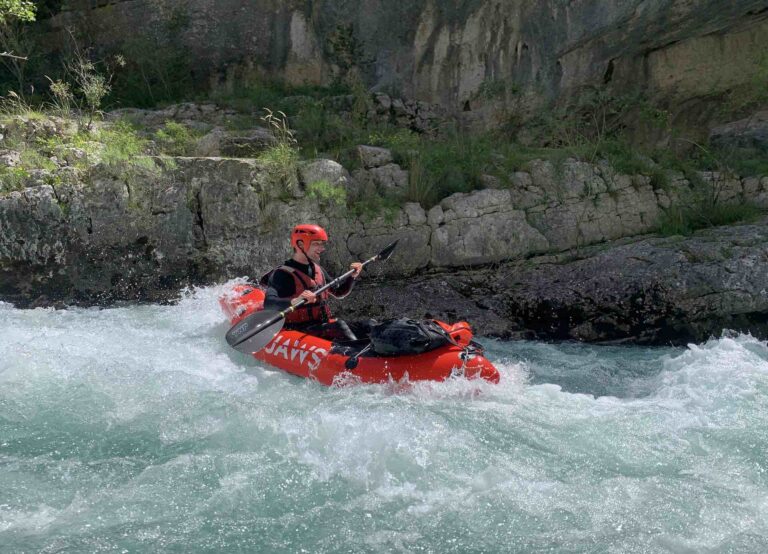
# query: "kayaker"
[[299, 276]]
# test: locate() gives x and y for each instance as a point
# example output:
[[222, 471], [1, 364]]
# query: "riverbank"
[[558, 250]]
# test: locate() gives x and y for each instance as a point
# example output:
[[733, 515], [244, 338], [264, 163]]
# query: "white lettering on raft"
[[281, 347], [317, 356], [271, 346]]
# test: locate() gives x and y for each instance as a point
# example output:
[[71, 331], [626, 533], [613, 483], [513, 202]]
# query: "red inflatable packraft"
[[319, 359]]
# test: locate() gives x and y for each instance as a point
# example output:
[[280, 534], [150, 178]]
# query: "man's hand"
[[357, 267], [308, 295]]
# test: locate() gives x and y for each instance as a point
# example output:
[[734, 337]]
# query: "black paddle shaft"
[[255, 331]]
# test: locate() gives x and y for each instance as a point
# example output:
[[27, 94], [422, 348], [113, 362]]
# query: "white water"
[[137, 429]]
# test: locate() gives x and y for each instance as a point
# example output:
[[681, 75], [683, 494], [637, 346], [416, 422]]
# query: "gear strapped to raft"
[[407, 336]]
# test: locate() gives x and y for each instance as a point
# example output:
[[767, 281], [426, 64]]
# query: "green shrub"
[[12, 178], [123, 147], [175, 139], [442, 166], [14, 105], [276, 95], [421, 187], [32, 159], [744, 161], [659, 179], [281, 161], [374, 205], [327, 193]]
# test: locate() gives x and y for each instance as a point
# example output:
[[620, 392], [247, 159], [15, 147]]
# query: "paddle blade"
[[387, 252], [255, 331]]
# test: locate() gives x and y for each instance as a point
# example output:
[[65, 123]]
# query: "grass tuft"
[[684, 220]]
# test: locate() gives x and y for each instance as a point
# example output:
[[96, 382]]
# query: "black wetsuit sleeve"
[[280, 288], [343, 288]]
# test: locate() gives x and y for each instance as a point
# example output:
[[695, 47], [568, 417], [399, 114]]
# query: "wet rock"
[[420, 298], [655, 291], [651, 291]]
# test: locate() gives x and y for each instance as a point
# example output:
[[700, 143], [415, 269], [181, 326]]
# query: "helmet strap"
[[309, 261]]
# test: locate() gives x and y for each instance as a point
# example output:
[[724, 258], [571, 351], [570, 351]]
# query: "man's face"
[[316, 247]]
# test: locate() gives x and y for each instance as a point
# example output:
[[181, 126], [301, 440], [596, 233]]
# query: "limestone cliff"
[[483, 59]]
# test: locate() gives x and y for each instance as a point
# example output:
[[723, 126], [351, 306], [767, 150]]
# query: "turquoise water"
[[135, 429]]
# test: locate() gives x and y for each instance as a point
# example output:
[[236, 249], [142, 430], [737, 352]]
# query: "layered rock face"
[[534, 259], [649, 291], [484, 57]]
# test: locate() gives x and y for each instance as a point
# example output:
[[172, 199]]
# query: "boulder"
[[383, 102], [481, 227], [324, 170], [582, 204], [750, 132], [220, 142], [373, 156], [389, 178], [756, 190], [362, 182], [209, 146], [408, 226], [247, 145]]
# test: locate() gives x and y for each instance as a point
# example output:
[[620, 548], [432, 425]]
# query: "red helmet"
[[307, 233]]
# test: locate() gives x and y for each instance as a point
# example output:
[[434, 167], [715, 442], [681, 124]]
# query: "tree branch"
[[9, 55]]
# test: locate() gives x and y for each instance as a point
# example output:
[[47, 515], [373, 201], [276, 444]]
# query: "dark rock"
[[654, 291], [751, 132]]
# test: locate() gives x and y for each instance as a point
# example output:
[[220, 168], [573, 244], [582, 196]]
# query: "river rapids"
[[136, 429]]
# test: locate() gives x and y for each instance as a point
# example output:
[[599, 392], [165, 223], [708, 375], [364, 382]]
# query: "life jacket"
[[318, 312]]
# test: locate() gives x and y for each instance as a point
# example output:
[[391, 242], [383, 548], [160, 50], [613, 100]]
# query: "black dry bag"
[[407, 336]]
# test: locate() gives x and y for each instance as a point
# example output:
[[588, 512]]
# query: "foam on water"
[[137, 428]]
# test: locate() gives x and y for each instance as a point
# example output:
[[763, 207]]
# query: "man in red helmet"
[[299, 277]]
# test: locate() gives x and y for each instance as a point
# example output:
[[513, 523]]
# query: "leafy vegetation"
[[176, 139], [123, 147], [327, 193], [12, 178], [15, 44], [282, 159]]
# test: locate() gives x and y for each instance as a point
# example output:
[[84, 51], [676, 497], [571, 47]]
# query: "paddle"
[[255, 331]]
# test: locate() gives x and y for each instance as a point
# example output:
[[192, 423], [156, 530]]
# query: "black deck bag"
[[407, 336]]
